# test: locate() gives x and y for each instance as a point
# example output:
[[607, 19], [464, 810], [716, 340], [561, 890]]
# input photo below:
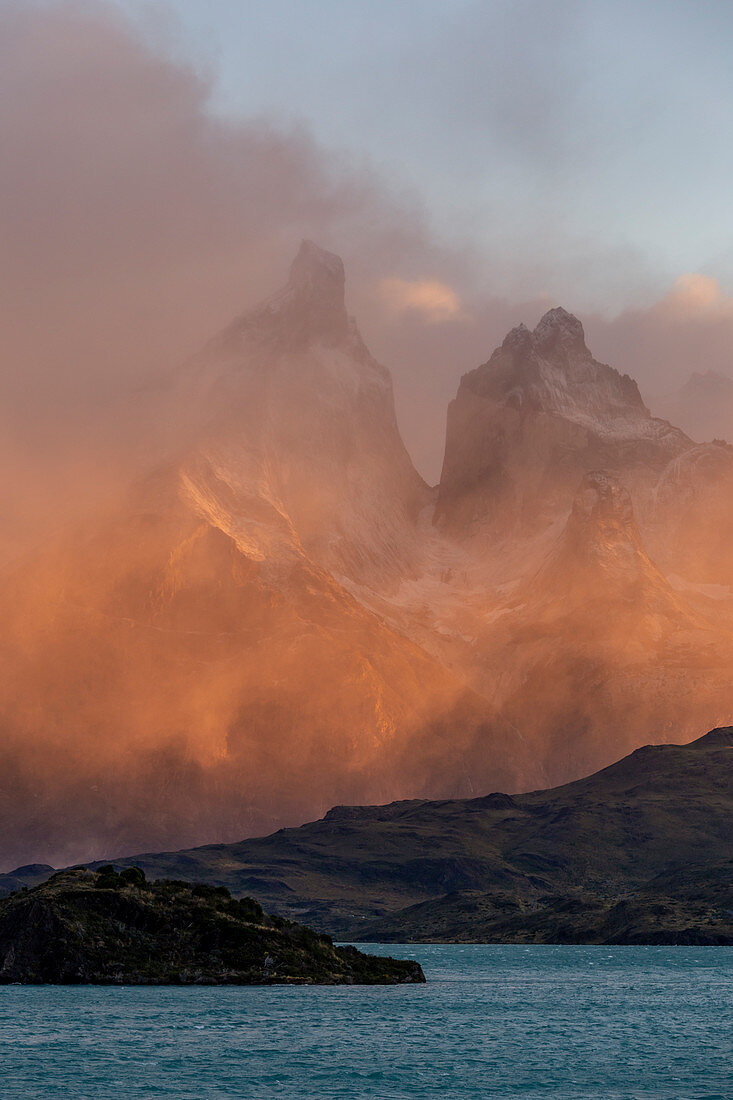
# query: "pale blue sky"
[[585, 148]]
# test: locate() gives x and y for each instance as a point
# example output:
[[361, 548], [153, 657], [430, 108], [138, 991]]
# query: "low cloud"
[[431, 299], [697, 296], [135, 224]]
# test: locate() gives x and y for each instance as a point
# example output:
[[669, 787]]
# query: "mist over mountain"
[[366, 543], [301, 432], [279, 614], [704, 403], [526, 425], [640, 852], [191, 663]]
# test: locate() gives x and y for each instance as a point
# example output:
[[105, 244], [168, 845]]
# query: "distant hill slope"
[[639, 852]]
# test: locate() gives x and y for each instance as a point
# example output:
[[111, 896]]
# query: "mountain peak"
[[556, 331], [314, 267], [551, 370], [310, 309], [312, 304], [559, 329], [600, 559], [518, 339]]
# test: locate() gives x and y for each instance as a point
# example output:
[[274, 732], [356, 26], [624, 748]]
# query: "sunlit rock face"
[[162, 688], [299, 451], [278, 617], [599, 647], [191, 666], [526, 425], [600, 555], [693, 515]]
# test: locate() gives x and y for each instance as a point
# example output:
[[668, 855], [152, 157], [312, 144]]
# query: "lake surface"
[[511, 1022]]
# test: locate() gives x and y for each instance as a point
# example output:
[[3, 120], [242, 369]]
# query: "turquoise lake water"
[[517, 1022]]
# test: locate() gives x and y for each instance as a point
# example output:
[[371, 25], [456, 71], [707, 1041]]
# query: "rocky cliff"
[[195, 663], [530, 422], [299, 450]]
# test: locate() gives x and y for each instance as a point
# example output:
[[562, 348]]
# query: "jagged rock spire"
[[600, 559], [551, 369], [557, 333], [310, 309], [559, 329], [317, 271], [315, 294], [602, 501]]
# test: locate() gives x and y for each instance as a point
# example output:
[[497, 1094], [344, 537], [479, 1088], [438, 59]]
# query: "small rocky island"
[[101, 927]]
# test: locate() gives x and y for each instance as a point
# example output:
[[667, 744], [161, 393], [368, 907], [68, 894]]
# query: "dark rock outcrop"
[[104, 928]]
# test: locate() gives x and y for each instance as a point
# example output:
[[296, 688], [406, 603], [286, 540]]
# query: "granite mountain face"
[[300, 447], [282, 615], [602, 644], [194, 664], [527, 425]]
